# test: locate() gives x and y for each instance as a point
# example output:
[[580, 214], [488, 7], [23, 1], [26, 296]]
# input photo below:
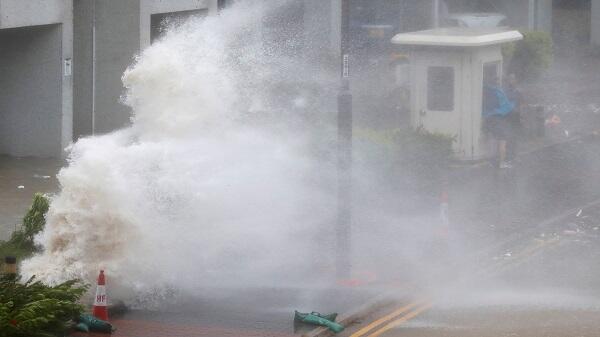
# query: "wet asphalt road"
[[260, 311]]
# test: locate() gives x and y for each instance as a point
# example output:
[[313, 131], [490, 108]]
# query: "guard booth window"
[[440, 88]]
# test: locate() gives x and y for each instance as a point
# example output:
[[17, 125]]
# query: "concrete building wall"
[[108, 36], [83, 54], [23, 13], [30, 99], [115, 44], [67, 75], [36, 95], [596, 23]]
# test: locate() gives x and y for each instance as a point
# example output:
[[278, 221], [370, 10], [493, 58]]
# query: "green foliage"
[[530, 57], [33, 309], [9, 249], [33, 223], [21, 243], [405, 157], [411, 145]]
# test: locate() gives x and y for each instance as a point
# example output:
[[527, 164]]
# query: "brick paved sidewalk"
[[136, 328]]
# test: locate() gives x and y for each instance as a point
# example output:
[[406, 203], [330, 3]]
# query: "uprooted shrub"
[[33, 309], [33, 223]]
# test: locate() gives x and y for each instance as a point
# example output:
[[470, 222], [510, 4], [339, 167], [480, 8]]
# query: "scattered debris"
[[570, 232], [315, 318], [508, 254], [82, 327], [553, 121], [93, 324], [567, 133], [579, 213], [37, 176]]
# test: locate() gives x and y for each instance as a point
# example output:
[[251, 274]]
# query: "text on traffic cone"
[[100, 309]]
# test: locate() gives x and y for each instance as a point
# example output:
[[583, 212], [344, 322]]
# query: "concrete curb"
[[352, 316]]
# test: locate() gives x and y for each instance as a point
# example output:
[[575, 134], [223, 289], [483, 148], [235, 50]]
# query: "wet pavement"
[[147, 328], [544, 284], [550, 292], [489, 205], [20, 179], [248, 312], [501, 321]]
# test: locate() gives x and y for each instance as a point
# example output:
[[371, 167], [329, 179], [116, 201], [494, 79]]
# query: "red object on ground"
[[100, 309]]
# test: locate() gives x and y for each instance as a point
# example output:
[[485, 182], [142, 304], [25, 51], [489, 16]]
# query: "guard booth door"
[[438, 99]]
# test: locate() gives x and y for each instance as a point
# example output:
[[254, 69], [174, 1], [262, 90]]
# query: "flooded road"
[[20, 179]]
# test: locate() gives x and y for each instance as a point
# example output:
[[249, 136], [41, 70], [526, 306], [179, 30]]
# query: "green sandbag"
[[82, 327], [299, 316], [95, 324], [316, 320]]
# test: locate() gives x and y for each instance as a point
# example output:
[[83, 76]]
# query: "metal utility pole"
[[344, 168]]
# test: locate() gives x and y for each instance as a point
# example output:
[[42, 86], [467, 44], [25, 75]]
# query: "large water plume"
[[193, 192]]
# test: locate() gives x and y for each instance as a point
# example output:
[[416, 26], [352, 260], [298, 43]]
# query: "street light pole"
[[344, 167]]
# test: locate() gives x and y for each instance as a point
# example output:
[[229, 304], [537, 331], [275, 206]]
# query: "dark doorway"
[[160, 22]]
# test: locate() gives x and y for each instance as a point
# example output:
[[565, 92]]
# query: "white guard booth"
[[447, 71]]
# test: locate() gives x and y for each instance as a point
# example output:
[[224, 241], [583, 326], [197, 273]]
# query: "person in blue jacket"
[[497, 108]]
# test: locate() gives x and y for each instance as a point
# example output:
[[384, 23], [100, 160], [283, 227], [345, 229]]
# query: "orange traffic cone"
[[100, 309]]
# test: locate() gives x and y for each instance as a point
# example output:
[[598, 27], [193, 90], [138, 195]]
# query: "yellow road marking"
[[526, 253], [401, 320], [384, 319]]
